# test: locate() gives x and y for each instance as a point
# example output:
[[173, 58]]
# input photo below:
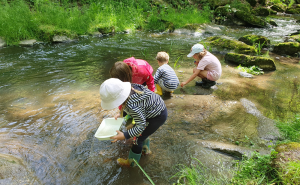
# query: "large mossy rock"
[[223, 11], [287, 162], [279, 7], [264, 63], [287, 48], [251, 19], [295, 9], [216, 3], [255, 39], [231, 44], [263, 11]]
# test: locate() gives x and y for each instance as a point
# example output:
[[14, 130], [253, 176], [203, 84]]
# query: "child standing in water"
[[165, 77], [147, 108], [134, 70], [208, 67]]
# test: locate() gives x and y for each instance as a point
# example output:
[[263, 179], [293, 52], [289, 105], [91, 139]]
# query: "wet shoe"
[[123, 162], [200, 83], [129, 162]]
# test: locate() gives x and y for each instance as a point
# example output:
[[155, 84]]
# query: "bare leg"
[[202, 74]]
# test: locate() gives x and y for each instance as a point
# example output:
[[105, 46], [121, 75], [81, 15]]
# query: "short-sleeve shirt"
[[211, 63]]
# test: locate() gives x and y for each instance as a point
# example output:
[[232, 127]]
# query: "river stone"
[[231, 44], [96, 34], [266, 128], [279, 7], [287, 153], [287, 48], [251, 19], [296, 37], [215, 161], [267, 64], [2, 43], [27, 42], [246, 75], [231, 149], [61, 38], [255, 39]]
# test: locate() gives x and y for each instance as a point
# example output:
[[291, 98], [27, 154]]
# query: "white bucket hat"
[[197, 48], [113, 92]]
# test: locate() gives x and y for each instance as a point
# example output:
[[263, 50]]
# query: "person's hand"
[[117, 116], [119, 136], [182, 84]]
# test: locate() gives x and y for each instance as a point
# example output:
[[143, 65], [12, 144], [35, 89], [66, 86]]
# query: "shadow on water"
[[50, 109]]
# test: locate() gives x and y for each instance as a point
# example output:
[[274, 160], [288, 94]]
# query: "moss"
[[228, 43], [47, 32], [296, 37], [264, 63], [293, 146], [263, 11], [287, 48], [293, 11], [254, 39], [251, 19], [279, 7]]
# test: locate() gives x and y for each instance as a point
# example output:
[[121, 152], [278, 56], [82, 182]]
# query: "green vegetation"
[[291, 129], [256, 170], [290, 173], [175, 64], [41, 19], [198, 174], [252, 70]]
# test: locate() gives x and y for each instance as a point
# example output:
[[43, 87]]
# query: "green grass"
[[22, 19], [256, 170], [198, 174], [290, 129], [290, 173]]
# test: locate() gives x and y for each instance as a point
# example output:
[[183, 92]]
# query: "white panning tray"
[[108, 128]]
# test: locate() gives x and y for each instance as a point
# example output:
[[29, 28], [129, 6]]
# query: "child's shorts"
[[161, 84], [213, 75]]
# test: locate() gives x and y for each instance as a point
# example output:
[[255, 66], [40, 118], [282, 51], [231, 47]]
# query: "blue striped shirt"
[[141, 107], [168, 75]]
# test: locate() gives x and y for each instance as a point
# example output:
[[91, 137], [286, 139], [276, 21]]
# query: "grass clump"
[[290, 173], [291, 129], [198, 174], [252, 70], [256, 170]]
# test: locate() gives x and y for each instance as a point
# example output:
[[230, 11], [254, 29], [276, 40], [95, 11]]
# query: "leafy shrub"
[[252, 70]]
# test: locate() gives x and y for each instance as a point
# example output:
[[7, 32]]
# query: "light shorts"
[[161, 84], [213, 75]]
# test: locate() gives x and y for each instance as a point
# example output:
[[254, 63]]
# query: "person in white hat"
[[146, 108], [208, 67]]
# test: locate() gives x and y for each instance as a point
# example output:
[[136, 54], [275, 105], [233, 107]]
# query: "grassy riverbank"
[[37, 19]]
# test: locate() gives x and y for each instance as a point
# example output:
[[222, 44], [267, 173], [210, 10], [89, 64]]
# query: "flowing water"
[[50, 106]]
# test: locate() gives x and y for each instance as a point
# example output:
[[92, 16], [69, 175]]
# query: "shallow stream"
[[50, 107]]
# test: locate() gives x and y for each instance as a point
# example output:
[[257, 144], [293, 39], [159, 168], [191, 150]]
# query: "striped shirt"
[[141, 107], [168, 75]]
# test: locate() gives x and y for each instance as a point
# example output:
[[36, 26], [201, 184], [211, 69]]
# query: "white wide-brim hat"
[[114, 92], [197, 48]]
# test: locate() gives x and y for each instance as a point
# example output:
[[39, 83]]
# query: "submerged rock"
[[246, 75], [61, 39], [266, 128], [287, 48], [295, 9], [267, 64], [255, 39], [231, 44]]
